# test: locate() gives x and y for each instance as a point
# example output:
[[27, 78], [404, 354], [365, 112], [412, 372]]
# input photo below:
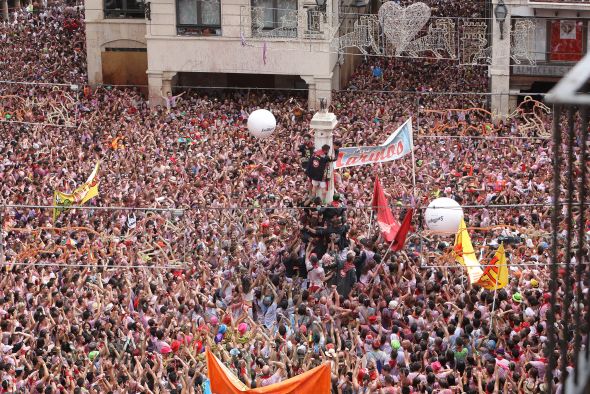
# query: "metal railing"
[[568, 321], [286, 24], [93, 236]]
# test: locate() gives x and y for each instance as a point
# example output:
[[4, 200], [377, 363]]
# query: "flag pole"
[[412, 150], [493, 304], [388, 250], [496, 290]]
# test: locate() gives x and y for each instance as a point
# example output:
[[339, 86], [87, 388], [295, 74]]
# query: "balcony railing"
[[286, 24]]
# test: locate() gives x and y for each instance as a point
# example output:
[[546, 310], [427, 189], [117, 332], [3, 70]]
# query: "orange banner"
[[223, 381]]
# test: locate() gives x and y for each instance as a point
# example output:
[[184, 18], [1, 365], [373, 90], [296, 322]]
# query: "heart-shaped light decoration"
[[400, 25]]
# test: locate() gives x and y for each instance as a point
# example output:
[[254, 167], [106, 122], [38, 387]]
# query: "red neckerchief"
[[347, 267]]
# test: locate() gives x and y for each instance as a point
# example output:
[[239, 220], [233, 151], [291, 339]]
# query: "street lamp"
[[501, 11]]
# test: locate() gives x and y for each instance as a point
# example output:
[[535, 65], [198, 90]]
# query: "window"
[[124, 9], [278, 16], [198, 17]]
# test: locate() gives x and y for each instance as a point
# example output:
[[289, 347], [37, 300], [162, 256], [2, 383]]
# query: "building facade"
[[198, 43], [561, 38], [164, 44]]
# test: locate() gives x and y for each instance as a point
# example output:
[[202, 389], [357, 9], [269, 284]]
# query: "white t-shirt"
[[274, 378]]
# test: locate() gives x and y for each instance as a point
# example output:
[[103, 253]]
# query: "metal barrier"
[[93, 237], [568, 323]]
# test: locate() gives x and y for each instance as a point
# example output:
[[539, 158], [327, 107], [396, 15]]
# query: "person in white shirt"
[[268, 311], [171, 100], [266, 378], [315, 273]]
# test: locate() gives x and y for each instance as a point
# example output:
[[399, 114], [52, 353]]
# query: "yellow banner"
[[495, 275], [80, 196], [465, 254]]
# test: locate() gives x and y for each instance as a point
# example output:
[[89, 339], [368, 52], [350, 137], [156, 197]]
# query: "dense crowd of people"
[[236, 255]]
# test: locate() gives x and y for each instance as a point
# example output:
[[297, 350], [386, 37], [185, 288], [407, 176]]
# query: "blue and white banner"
[[398, 144]]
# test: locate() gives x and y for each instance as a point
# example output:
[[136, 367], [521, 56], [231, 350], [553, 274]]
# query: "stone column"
[[317, 87], [94, 54], [323, 124], [166, 85], [5, 10], [500, 68], [155, 82], [17, 4], [323, 89]]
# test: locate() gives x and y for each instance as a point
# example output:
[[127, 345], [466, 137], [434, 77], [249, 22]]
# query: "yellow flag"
[[465, 254], [80, 196], [495, 275]]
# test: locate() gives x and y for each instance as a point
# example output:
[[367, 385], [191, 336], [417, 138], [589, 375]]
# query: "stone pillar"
[[317, 87], [160, 83], [500, 68], [311, 96], [166, 86], [323, 124], [513, 100], [17, 4], [5, 10], [323, 89], [155, 82], [94, 54]]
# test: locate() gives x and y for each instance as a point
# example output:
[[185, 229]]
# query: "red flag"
[[387, 223], [402, 233]]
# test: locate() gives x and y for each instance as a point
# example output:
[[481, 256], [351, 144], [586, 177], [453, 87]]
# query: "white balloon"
[[261, 123], [443, 215]]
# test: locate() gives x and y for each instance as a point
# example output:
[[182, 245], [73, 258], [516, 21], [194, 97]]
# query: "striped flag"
[[495, 275]]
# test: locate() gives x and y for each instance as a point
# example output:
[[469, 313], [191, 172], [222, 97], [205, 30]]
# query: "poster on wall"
[[567, 40]]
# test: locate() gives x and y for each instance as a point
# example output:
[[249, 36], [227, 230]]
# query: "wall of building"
[[508, 79], [108, 33], [233, 52]]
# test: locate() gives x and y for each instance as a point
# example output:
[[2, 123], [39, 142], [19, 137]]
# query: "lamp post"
[[501, 11]]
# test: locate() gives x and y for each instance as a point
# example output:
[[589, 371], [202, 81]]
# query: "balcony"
[[309, 23]]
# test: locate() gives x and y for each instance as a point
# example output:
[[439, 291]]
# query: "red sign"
[[567, 42]]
